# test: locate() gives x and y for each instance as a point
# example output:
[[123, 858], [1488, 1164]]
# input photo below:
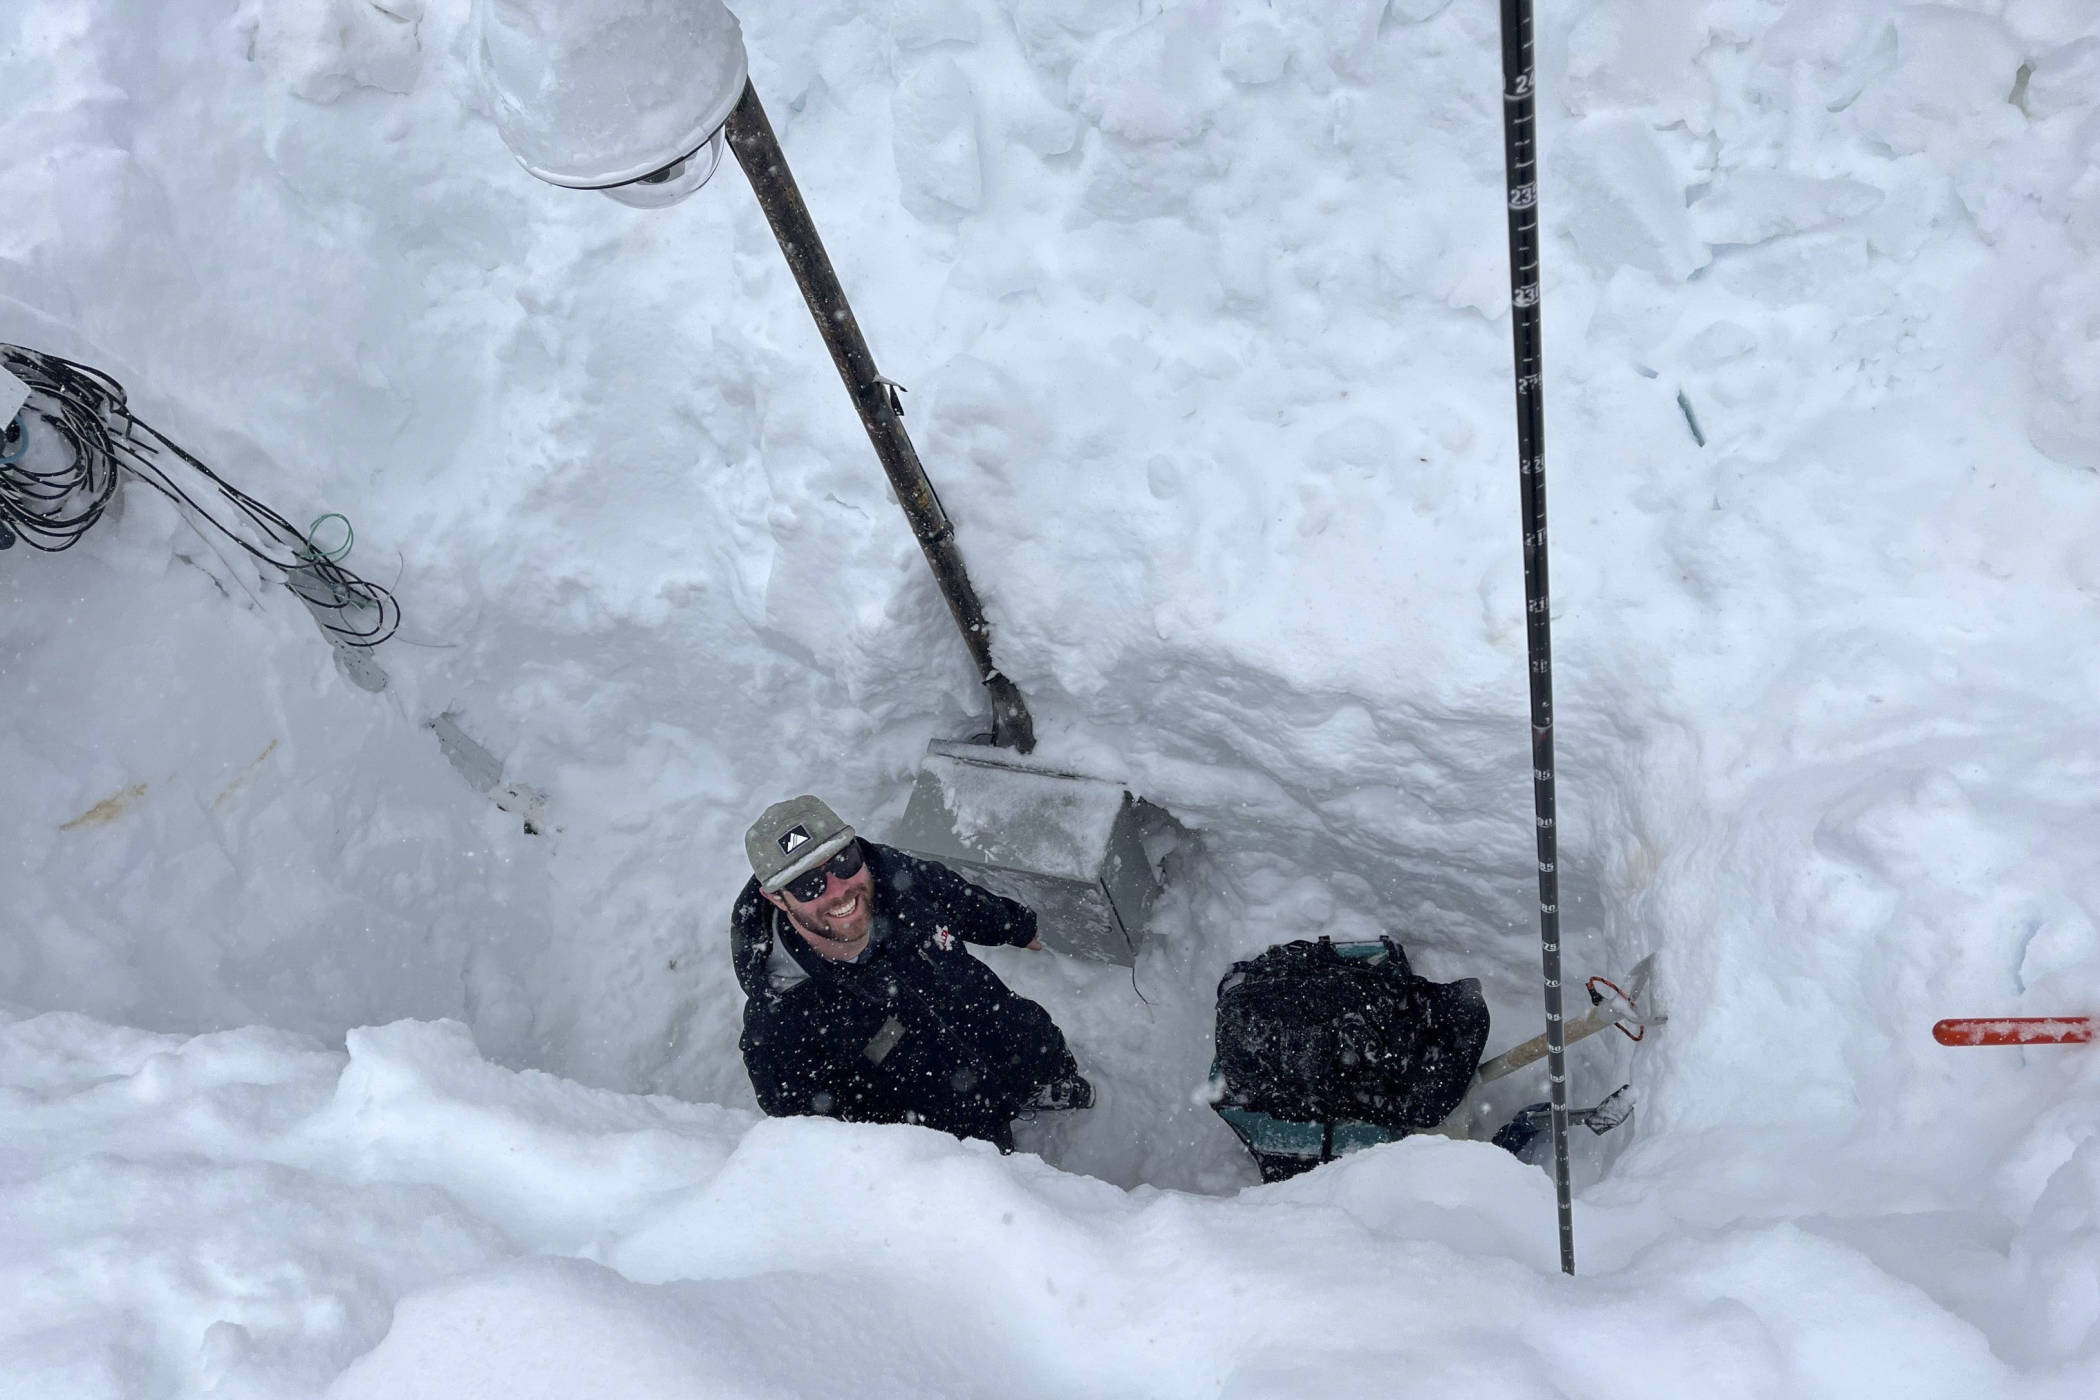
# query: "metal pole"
[[1520, 158], [874, 397]]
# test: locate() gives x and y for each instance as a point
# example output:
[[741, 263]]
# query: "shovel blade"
[[1085, 853]]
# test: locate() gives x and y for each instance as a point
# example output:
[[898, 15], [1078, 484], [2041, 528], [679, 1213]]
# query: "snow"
[[246, 1214], [320, 1075]]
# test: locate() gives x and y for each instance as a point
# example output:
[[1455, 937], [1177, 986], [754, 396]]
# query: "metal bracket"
[[893, 391]]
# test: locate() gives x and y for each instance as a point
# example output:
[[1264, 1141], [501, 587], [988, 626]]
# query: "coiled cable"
[[52, 493]]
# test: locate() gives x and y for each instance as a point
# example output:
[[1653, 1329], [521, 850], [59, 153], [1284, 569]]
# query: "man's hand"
[[1035, 945]]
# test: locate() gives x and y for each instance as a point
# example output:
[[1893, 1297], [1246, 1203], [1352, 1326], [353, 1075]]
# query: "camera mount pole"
[[875, 399], [1520, 160]]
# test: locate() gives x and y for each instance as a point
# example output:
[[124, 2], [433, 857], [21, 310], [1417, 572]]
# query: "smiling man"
[[863, 1002]]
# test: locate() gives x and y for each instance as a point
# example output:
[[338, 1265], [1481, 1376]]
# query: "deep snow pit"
[[319, 1075]]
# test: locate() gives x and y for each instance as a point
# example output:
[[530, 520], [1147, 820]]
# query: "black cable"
[[50, 508]]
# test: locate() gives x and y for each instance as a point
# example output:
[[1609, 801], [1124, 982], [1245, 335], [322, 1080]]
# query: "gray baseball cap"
[[792, 837]]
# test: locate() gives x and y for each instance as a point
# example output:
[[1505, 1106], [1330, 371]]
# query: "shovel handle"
[[1618, 1009], [875, 398], [2014, 1030], [1525, 1052]]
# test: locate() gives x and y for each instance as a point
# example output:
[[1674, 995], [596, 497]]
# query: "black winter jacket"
[[917, 1031]]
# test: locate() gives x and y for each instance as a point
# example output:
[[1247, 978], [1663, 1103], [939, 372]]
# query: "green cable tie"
[[333, 556]]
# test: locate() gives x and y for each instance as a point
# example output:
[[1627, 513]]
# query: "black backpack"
[[1310, 1034]]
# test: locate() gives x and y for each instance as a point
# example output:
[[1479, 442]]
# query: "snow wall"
[[1202, 312]]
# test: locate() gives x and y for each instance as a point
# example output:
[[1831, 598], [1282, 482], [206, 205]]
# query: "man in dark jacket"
[[863, 1003]]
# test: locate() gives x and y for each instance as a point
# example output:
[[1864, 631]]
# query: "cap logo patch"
[[794, 839]]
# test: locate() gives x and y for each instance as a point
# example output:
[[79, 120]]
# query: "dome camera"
[[673, 182], [627, 99]]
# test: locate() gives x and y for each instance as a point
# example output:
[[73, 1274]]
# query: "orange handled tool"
[[2015, 1030]]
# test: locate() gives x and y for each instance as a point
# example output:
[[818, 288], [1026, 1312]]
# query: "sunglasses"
[[811, 884]]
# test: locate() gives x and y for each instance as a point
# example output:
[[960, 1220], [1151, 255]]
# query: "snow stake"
[[1520, 162], [2014, 1030]]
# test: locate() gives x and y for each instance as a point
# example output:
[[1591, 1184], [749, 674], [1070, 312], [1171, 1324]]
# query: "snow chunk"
[[2050, 21], [1254, 53], [2057, 1256], [920, 24], [2066, 80], [2063, 404], [1641, 53], [1833, 49], [1155, 83], [542, 1155], [1949, 90], [554, 1329], [934, 141], [1624, 200], [325, 49], [1718, 343], [1752, 206]]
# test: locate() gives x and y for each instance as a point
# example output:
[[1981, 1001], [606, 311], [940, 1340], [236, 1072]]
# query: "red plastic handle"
[[2015, 1030]]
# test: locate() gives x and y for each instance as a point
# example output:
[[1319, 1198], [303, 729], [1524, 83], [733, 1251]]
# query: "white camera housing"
[[627, 97]]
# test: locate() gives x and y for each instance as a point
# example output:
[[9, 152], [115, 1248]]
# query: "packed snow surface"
[[321, 1075]]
